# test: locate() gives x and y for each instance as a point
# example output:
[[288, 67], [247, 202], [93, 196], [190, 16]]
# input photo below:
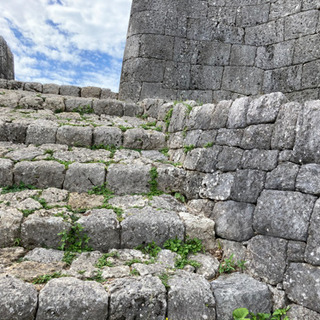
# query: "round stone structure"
[[209, 50], [6, 61]]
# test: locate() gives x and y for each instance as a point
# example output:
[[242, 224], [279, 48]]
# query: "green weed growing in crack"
[[243, 313], [153, 183], [151, 249], [47, 277], [229, 265], [186, 149], [83, 110], [164, 277], [167, 118], [17, 187], [180, 197]]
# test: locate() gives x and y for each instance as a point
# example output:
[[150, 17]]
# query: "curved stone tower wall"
[[210, 50], [6, 61]]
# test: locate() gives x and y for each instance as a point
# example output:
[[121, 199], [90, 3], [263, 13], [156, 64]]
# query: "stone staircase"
[[106, 211]]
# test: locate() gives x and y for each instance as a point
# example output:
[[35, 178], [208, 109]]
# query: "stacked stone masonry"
[[248, 169], [209, 50], [6, 61]]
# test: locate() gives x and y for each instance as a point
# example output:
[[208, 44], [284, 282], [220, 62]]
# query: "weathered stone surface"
[[44, 255], [200, 117], [296, 251], [232, 248], [93, 92], [10, 224], [147, 225], [9, 255], [283, 214], [54, 195], [257, 137], [41, 174], [107, 136], [308, 180], [116, 272], [266, 258], [18, 299], [41, 132], [236, 290], [51, 88], [84, 201], [297, 312], [108, 106], [238, 113], [260, 159], [69, 91], [73, 299], [16, 131], [143, 297], [233, 220], [102, 228], [179, 117], [302, 285], [74, 136], [81, 177], [171, 179], [190, 297], [229, 137], [209, 265], [167, 258], [6, 176]]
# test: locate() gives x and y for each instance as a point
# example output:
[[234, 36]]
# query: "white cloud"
[[44, 31]]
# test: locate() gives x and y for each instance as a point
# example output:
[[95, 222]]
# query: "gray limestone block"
[[229, 159], [191, 138], [73, 299], [16, 131], [3, 84], [229, 137], [134, 138], [90, 92], [238, 290], [143, 297], [42, 174], [151, 107], [286, 79], [146, 225], [128, 178], [10, 226], [55, 103], [301, 55], [310, 74], [157, 90], [199, 227], [284, 133], [69, 91], [202, 159], [108, 136], [266, 160], [102, 228], [6, 175], [81, 177], [242, 55], [242, 79], [179, 118], [31, 102], [248, 16], [257, 136], [213, 53], [108, 94], [264, 34], [233, 220], [109, 106], [217, 186], [51, 88], [302, 285], [76, 103], [10, 99], [156, 46], [310, 4], [192, 184], [301, 24], [297, 312], [265, 108], [41, 132], [284, 8], [238, 113], [130, 90], [312, 252], [283, 177], [220, 114], [43, 255], [190, 297], [132, 48], [206, 137], [201, 207], [247, 185], [307, 143], [18, 299], [15, 85], [178, 141], [308, 180], [203, 96], [200, 117], [176, 76], [74, 136], [171, 179], [286, 215], [32, 86], [232, 248], [154, 140], [275, 55], [132, 110], [266, 258], [42, 231], [296, 251]]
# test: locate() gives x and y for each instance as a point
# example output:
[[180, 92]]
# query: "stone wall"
[[212, 50], [6, 61]]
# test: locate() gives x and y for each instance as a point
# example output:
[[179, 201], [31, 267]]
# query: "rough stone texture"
[[143, 297], [308, 180], [44, 255], [41, 132], [6, 176], [10, 225], [238, 290], [190, 297], [302, 285], [107, 136], [6, 61], [297, 312], [283, 214], [74, 136], [18, 299], [73, 299]]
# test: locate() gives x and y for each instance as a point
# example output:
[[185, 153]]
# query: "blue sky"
[[77, 42]]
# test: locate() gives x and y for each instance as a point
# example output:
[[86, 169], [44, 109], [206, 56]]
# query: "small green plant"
[[167, 118], [229, 265], [184, 248], [111, 148], [180, 197], [151, 249], [46, 277], [83, 110], [102, 190], [17, 187], [103, 261], [154, 191], [208, 145], [123, 128], [49, 151], [165, 152], [98, 277], [27, 212], [134, 272], [182, 262], [17, 242], [164, 277], [186, 149], [243, 313], [132, 261]]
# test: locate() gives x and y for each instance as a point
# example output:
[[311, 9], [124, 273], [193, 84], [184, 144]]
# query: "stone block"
[[247, 185], [308, 180], [130, 90], [302, 286], [31, 102], [41, 132], [200, 117], [74, 136], [154, 140], [77, 104], [242, 55], [233, 220], [132, 48], [43, 255], [286, 215], [248, 16], [41, 174], [283, 177], [229, 159], [16, 131], [192, 184], [236, 290], [6, 174], [51, 88], [33, 86], [179, 117], [10, 226], [310, 75], [229, 137], [176, 75], [143, 297], [18, 299], [156, 46], [73, 299], [108, 106], [69, 91], [171, 179], [214, 53], [147, 225], [190, 297], [260, 159], [301, 55], [296, 251], [310, 4], [205, 77], [297, 312], [90, 92], [102, 228], [266, 258], [107, 136], [257, 136], [54, 103], [134, 138], [81, 177], [220, 114], [284, 8]]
